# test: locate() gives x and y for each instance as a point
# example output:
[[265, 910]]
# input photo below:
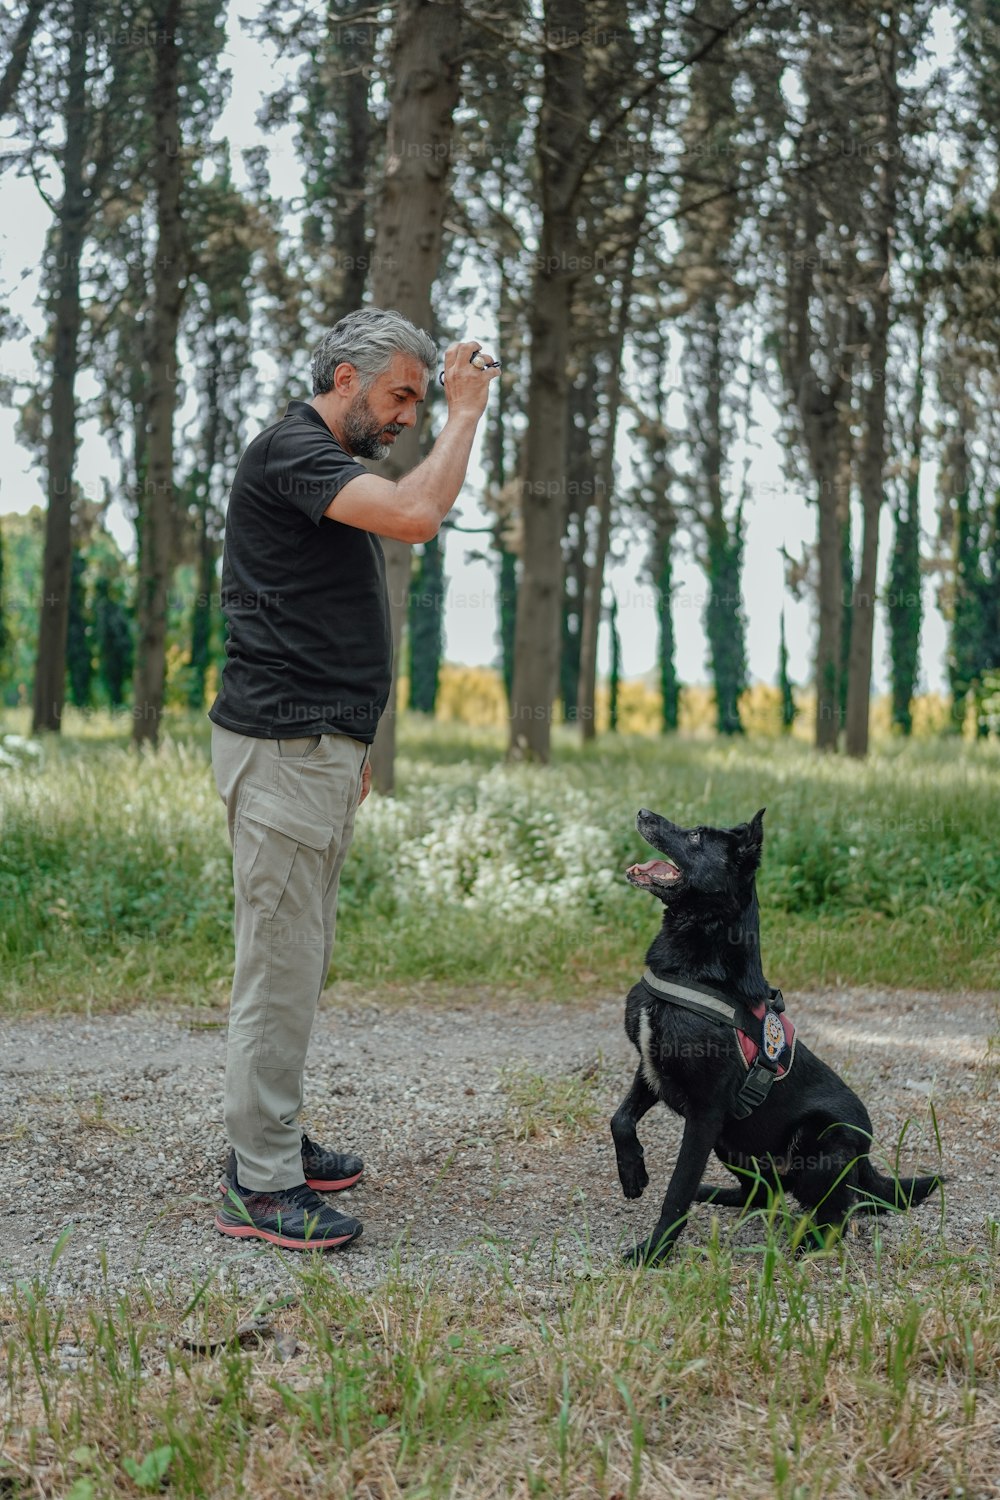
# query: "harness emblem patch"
[[772, 1036]]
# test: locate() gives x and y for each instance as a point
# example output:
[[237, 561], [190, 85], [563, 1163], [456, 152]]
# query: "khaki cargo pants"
[[290, 805]]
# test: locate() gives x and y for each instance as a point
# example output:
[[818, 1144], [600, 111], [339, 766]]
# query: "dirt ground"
[[113, 1130]]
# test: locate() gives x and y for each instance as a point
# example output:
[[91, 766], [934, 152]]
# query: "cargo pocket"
[[278, 852]]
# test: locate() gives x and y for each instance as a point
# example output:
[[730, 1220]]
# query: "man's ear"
[[752, 839]]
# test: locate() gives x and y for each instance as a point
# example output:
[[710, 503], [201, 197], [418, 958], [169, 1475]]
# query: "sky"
[[777, 514]]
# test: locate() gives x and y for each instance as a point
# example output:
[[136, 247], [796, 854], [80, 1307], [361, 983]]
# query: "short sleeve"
[[307, 467]]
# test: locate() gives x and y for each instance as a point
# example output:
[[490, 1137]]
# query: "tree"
[[561, 154], [816, 227], [426, 620], [230, 235], [113, 638], [788, 708], [888, 50], [710, 211], [20, 47], [424, 69], [157, 500], [4, 632], [98, 75], [904, 605], [79, 646]]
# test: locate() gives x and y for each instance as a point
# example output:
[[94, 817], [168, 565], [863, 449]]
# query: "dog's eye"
[[694, 837]]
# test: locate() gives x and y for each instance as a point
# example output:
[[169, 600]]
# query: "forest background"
[[740, 262]]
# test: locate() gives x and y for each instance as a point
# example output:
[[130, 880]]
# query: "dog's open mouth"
[[653, 872]]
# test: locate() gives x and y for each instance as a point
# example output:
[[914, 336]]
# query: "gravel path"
[[112, 1125]]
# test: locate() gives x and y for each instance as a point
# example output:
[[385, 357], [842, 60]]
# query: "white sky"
[[777, 514]]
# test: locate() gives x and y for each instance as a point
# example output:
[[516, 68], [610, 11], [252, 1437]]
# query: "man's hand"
[[466, 385], [366, 781]]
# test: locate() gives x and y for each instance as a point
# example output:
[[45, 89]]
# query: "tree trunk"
[[355, 165], [581, 478], [871, 467], [586, 696], [20, 48], [71, 229], [536, 641], [206, 547], [157, 505], [425, 70], [905, 605]]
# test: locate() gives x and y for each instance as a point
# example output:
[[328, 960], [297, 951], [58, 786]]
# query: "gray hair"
[[368, 339]]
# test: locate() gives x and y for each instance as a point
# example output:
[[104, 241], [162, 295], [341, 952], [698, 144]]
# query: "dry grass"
[[758, 1375], [561, 1108]]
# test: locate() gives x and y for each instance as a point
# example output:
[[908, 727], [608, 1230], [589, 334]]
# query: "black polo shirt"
[[309, 644]]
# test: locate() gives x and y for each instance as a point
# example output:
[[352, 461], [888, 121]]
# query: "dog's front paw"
[[633, 1176]]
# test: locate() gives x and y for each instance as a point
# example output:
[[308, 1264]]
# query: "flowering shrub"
[[17, 753], [511, 841]]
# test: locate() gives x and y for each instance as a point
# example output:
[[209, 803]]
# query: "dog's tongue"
[[657, 868]]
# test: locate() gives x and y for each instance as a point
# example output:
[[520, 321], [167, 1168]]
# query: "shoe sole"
[[319, 1186], [286, 1242], [316, 1183]]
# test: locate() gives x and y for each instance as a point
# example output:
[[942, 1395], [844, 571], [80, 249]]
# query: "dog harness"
[[765, 1034]]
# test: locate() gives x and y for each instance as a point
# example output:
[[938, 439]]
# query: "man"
[[306, 679]]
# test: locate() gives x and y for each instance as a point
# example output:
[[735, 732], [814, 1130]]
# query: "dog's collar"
[[768, 1059]]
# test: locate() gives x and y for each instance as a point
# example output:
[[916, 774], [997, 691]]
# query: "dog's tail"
[[893, 1192]]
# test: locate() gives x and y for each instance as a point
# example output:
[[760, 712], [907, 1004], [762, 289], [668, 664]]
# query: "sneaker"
[[324, 1171], [329, 1171], [294, 1218]]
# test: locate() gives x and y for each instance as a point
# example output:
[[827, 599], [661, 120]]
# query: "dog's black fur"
[[811, 1134]]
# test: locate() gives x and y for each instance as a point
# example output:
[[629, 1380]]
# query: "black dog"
[[784, 1119]]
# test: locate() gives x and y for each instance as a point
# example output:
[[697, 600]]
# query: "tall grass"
[[115, 872]]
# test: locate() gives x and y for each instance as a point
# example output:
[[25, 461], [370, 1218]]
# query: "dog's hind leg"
[[825, 1177], [753, 1185], [631, 1168]]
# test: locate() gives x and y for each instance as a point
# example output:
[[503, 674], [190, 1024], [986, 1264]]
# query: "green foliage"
[[4, 636], [788, 707], [508, 616], [670, 687], [615, 674], [903, 608], [151, 1473], [23, 540], [974, 644], [79, 636], [426, 621], [725, 624], [113, 638], [115, 868]]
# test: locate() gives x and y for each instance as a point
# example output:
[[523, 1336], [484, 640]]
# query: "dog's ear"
[[752, 839]]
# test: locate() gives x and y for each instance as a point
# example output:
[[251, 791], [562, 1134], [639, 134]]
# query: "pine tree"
[[426, 626], [113, 639], [788, 707], [4, 633], [615, 676], [79, 649]]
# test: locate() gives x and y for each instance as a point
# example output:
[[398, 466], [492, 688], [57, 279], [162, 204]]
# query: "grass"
[[115, 872], [760, 1374], [748, 1370], [542, 1108]]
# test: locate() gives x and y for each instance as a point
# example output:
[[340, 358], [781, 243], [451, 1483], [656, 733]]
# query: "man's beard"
[[363, 432]]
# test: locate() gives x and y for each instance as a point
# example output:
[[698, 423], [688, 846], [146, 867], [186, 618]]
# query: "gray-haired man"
[[306, 679]]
